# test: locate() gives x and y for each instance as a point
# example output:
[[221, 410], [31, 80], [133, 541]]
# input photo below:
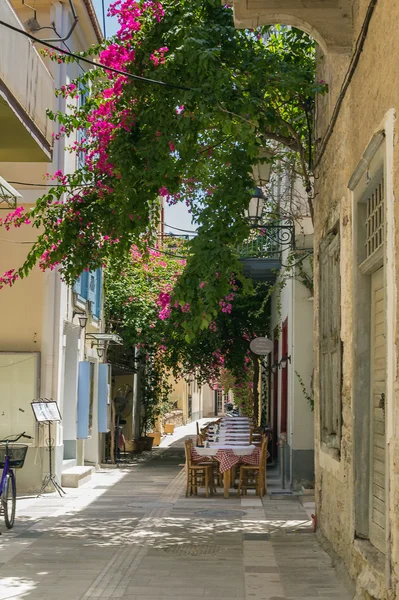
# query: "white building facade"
[[43, 348]]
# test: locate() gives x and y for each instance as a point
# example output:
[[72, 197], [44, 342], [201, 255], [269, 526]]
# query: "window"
[[375, 216], [89, 287], [219, 401], [330, 341], [81, 285]]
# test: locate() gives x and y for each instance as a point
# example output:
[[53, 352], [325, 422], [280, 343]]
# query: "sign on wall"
[[261, 346]]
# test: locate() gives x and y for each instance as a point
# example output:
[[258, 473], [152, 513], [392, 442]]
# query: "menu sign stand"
[[46, 412]]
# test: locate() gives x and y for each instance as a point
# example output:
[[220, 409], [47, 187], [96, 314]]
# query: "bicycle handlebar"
[[17, 437]]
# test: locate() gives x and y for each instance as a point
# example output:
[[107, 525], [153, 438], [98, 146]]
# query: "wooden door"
[[377, 434], [275, 396], [284, 379]]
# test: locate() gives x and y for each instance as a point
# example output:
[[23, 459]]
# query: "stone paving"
[[131, 533]]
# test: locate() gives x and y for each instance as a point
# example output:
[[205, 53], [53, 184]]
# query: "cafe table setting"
[[228, 456]]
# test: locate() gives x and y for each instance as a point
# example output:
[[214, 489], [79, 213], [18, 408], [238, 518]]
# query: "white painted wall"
[[36, 309], [294, 302]]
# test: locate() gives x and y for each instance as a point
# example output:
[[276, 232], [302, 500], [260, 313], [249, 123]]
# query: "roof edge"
[[94, 20]]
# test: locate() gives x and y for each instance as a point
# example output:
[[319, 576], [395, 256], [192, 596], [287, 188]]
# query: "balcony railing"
[[28, 88], [121, 358], [268, 241]]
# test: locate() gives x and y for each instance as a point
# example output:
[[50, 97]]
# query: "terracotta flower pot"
[[156, 436], [137, 446], [169, 428]]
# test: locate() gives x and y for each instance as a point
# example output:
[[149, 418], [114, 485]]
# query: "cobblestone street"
[[131, 533]]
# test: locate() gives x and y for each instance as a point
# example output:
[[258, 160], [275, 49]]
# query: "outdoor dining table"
[[229, 428], [228, 456], [224, 438]]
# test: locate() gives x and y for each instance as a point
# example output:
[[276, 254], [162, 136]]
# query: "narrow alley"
[[132, 533]]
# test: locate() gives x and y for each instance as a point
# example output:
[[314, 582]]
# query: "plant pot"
[[137, 446], [156, 436], [169, 428], [129, 444], [147, 442]]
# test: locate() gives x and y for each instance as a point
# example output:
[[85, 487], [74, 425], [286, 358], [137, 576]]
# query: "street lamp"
[[82, 318], [261, 171], [255, 207], [284, 361], [100, 351]]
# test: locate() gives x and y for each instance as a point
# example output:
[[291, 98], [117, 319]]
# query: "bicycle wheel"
[[9, 499]]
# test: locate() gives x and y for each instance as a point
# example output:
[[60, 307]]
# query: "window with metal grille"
[[219, 398], [375, 219]]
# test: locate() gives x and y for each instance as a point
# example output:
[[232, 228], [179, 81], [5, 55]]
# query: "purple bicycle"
[[12, 456]]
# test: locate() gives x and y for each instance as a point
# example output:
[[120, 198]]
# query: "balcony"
[[26, 91], [261, 253], [122, 360]]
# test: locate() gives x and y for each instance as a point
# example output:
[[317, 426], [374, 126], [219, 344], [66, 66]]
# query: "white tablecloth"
[[214, 447], [224, 436]]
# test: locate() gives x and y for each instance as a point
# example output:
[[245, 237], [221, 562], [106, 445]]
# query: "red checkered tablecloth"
[[197, 458], [227, 458]]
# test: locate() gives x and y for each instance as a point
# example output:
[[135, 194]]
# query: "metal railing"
[[268, 240], [121, 357]]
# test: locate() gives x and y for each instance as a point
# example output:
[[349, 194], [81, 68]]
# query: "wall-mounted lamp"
[[82, 318], [284, 361], [100, 351]]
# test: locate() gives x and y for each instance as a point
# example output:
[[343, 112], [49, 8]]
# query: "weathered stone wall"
[[370, 104], [373, 92]]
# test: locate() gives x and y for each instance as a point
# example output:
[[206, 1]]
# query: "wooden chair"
[[254, 476], [256, 436], [197, 474], [200, 440]]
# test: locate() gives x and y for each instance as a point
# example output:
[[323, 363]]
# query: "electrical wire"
[[176, 228], [15, 241], [104, 28], [168, 253], [44, 184], [347, 79], [91, 62]]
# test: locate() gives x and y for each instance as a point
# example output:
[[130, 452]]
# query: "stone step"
[[68, 463], [76, 476]]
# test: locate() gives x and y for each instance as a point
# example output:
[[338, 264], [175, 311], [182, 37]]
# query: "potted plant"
[[169, 428], [156, 435], [137, 446], [154, 403]]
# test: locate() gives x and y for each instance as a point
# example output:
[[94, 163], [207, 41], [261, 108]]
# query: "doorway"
[[377, 410]]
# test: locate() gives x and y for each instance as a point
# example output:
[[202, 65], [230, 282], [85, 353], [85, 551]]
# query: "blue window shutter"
[[97, 304], [103, 396], [78, 286], [91, 288], [83, 400], [84, 284]]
